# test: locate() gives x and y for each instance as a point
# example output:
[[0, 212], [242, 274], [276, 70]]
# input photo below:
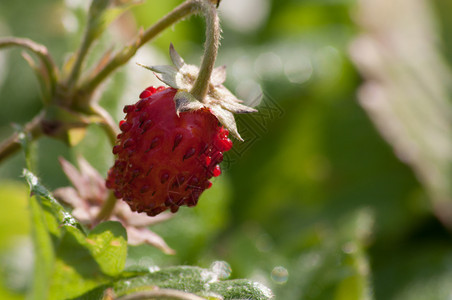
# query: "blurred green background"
[[315, 204]]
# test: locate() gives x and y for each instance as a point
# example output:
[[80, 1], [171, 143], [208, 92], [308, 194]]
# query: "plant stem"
[[38, 49], [12, 144], [185, 9], [161, 294], [82, 52], [201, 84], [107, 209]]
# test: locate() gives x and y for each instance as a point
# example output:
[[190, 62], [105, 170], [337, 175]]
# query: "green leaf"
[[241, 289], [75, 270], [44, 252], [47, 200], [13, 224], [69, 262], [83, 261], [203, 282], [108, 245]]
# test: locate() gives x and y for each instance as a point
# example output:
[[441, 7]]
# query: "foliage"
[[75, 264], [315, 204]]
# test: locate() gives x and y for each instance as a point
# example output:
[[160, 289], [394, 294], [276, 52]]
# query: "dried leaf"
[[97, 182], [74, 177], [137, 236]]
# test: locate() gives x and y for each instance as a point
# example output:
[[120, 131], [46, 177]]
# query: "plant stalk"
[[185, 9], [38, 49], [12, 144], [201, 85], [81, 54]]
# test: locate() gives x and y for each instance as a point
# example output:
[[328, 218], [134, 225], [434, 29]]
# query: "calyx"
[[219, 100]]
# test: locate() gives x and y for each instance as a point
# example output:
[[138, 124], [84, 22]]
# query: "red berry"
[[163, 160]]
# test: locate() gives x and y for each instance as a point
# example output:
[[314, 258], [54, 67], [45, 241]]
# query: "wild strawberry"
[[171, 144]]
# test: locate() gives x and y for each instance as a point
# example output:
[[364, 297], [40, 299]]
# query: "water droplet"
[[221, 268], [280, 275], [153, 269]]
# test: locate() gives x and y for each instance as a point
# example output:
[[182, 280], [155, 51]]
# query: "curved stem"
[[185, 9], [161, 294], [107, 209], [12, 144], [38, 49], [201, 84]]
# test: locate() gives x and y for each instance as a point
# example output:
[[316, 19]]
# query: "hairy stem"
[[185, 9], [161, 294], [201, 84], [38, 49], [11, 145]]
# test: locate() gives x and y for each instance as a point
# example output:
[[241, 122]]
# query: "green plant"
[[81, 253]]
